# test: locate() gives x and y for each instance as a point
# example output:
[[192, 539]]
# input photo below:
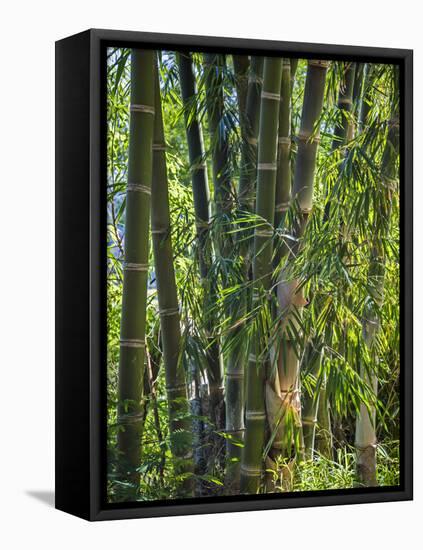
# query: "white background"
[[27, 35]]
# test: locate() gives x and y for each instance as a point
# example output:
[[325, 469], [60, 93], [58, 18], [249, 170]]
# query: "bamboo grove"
[[252, 275]]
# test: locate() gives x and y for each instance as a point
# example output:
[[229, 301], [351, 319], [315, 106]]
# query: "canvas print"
[[252, 275]]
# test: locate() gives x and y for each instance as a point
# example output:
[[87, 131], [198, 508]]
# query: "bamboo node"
[[252, 358], [137, 108], [344, 101], [306, 210], [322, 64], [284, 140], [131, 266], [308, 137], [362, 449], [309, 421], [198, 166], [250, 472], [270, 95], [255, 415], [282, 207], [169, 312], [175, 389], [132, 343], [159, 146], [137, 187], [130, 418], [235, 375], [293, 390], [267, 166]]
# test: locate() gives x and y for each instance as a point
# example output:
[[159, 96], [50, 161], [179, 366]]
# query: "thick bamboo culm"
[[345, 105], [201, 196], [249, 107], [241, 68], [276, 403], [214, 76], [197, 160], [247, 180], [283, 174], [234, 376], [365, 436], [252, 455], [135, 268], [283, 395], [323, 433], [176, 387]]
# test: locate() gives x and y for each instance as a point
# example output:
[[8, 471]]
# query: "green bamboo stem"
[[252, 455], [214, 87], [134, 299], [247, 180], [198, 166], [345, 105], [241, 67], [365, 436], [176, 388], [283, 174], [202, 210], [248, 104], [235, 376], [308, 137], [286, 390]]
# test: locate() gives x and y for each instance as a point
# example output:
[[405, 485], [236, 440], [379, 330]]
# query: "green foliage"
[[355, 213]]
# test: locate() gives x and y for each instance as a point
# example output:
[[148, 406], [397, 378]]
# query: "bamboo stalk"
[[132, 331], [278, 400], [248, 104], [358, 92], [198, 166], [247, 180], [223, 196], [176, 388], [365, 435], [283, 174], [283, 395], [252, 455], [241, 66], [202, 210]]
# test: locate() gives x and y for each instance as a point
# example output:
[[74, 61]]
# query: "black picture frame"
[[80, 275]]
